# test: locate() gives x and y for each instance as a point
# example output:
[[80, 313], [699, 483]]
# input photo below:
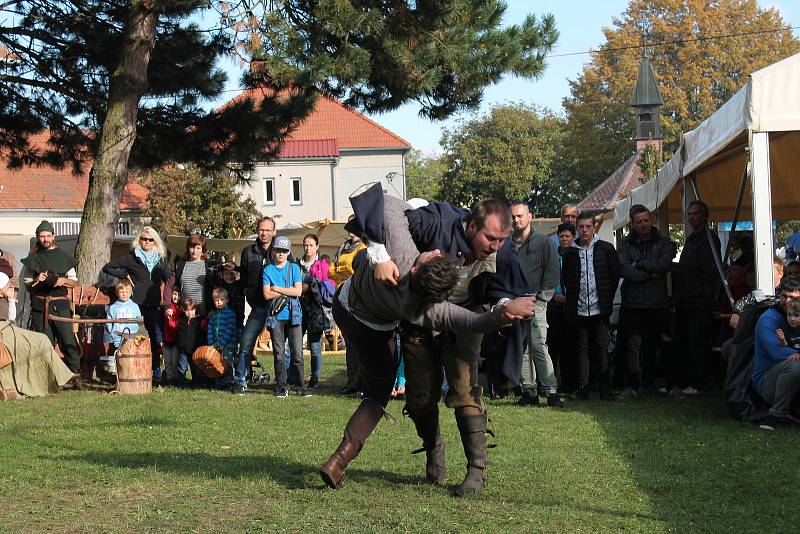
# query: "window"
[[269, 191], [296, 192]]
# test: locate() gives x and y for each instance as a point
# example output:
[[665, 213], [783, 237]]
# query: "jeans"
[[781, 384], [153, 321], [536, 362], [315, 346], [283, 332], [591, 347], [171, 361], [252, 329], [183, 365]]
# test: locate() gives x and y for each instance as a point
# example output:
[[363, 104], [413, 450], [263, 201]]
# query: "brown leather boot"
[[473, 436], [358, 429], [428, 429]]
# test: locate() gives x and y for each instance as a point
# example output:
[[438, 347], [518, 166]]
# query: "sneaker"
[[627, 393], [528, 399], [313, 382], [689, 390], [239, 389], [554, 401], [676, 393], [346, 391], [282, 393], [773, 422], [303, 392]]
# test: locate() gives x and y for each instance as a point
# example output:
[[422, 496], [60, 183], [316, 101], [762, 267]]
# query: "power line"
[[678, 41]]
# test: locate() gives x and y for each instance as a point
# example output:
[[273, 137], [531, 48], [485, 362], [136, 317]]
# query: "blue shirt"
[[222, 330], [120, 310], [287, 276], [768, 350]]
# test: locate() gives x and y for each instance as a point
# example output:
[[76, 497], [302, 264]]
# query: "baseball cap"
[[282, 243]]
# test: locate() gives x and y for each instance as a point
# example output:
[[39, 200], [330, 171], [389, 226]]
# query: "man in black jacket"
[[697, 284], [645, 258], [251, 267], [590, 274]]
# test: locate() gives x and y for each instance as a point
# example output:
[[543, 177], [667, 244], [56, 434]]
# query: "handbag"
[[5, 354], [277, 305]]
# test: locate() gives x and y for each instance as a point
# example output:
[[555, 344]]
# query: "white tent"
[[761, 121]]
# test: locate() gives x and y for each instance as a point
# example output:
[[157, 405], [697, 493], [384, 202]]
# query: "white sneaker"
[[689, 390]]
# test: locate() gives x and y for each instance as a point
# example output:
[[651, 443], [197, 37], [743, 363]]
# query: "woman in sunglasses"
[[147, 269]]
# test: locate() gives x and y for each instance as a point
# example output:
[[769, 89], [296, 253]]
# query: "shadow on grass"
[[699, 469], [284, 471]]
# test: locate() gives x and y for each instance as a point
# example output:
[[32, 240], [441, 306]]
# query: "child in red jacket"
[[172, 315]]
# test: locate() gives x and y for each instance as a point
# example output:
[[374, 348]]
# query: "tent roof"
[[715, 151]]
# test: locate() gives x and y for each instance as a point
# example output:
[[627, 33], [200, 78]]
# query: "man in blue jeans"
[[254, 258]]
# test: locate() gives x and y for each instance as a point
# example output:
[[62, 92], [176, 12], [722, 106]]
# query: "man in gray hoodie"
[[539, 260]]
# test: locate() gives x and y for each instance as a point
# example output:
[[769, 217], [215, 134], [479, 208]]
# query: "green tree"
[[511, 153], [424, 175], [186, 198], [122, 82], [696, 72]]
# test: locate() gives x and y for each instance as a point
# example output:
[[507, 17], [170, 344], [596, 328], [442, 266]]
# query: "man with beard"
[[488, 273], [49, 272]]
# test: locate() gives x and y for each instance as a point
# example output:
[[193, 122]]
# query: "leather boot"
[[428, 429], [358, 429], [473, 436]]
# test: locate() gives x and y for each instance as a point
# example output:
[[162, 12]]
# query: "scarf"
[[150, 259]]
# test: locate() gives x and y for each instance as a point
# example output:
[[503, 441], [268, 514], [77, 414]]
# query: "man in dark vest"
[[50, 271]]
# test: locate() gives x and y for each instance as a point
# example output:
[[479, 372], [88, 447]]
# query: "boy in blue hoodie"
[[123, 308], [223, 332]]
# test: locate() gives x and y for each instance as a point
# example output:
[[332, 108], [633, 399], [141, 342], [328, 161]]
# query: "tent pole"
[[762, 210], [742, 187]]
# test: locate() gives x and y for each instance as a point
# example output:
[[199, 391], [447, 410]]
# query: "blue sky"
[[580, 23]]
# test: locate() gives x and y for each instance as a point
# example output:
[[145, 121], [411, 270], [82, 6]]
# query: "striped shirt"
[[193, 281]]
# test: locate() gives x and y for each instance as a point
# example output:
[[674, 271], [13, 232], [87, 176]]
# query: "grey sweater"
[[378, 303]]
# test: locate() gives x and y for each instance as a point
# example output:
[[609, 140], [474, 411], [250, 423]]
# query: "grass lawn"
[[203, 461]]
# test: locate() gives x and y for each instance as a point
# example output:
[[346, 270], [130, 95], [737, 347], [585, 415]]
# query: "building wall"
[[321, 180], [65, 222]]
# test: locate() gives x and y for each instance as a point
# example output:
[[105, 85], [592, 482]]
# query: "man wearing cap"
[[50, 271]]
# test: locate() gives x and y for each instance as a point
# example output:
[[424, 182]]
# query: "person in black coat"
[[147, 269], [590, 275]]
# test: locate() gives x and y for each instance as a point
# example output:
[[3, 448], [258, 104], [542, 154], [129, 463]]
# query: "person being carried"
[[223, 332], [123, 308]]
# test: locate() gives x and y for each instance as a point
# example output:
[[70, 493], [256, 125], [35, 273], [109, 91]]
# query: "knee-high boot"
[[473, 436], [428, 429], [358, 429]]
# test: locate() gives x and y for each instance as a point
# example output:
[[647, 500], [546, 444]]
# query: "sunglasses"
[[147, 239]]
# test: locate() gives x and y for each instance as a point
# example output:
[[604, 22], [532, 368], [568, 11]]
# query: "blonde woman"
[[145, 265]]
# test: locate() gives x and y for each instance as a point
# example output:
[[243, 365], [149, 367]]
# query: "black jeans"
[[591, 349], [691, 348], [283, 332], [561, 341], [375, 350], [637, 342]]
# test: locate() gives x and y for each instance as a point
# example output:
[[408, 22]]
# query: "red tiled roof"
[[315, 148], [333, 120], [606, 195], [56, 189]]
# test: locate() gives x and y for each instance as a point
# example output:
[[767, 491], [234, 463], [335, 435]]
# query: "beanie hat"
[[45, 226]]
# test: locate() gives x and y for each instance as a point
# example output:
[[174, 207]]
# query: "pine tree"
[[123, 82]]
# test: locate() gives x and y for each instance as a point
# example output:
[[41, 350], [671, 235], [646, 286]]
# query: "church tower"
[[647, 102]]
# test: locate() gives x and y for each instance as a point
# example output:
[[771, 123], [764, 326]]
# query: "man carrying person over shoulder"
[[49, 272], [645, 258], [369, 310], [539, 259]]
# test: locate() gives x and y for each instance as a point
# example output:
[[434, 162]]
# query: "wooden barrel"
[[135, 367]]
